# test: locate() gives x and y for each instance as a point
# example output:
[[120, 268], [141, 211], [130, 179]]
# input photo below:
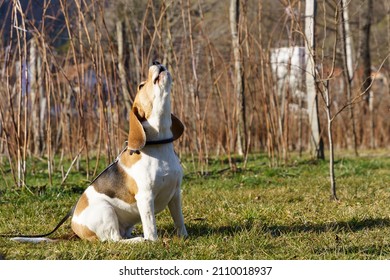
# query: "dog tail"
[[33, 239], [38, 238]]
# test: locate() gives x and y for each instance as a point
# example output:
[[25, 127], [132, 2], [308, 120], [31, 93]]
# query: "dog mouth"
[[161, 69]]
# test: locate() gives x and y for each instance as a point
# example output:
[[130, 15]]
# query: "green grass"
[[257, 213]]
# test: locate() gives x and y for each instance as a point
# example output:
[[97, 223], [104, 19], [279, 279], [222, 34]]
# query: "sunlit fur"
[[145, 179]]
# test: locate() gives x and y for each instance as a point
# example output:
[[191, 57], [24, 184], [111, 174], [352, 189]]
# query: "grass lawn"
[[256, 213]]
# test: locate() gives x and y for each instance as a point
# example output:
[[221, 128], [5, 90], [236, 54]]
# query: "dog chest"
[[156, 169], [159, 166]]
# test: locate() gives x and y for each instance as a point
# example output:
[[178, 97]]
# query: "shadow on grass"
[[353, 225], [371, 251]]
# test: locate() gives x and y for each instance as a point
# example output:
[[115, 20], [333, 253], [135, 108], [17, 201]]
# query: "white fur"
[[32, 239]]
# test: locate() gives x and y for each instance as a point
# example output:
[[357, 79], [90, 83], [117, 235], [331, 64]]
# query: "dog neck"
[[158, 125]]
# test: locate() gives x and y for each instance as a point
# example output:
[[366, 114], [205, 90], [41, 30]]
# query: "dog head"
[[151, 116], [156, 88]]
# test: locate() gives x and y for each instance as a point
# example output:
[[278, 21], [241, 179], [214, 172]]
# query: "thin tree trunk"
[[42, 104], [312, 101], [324, 90], [331, 148], [239, 85], [346, 39], [121, 64], [365, 58], [34, 99]]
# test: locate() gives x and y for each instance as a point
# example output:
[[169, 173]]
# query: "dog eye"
[[141, 85]]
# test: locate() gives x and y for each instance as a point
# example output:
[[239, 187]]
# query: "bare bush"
[[70, 69]]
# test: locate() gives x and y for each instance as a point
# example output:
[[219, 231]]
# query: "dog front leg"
[[177, 214], [145, 204]]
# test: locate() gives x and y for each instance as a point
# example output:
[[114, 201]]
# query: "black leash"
[[70, 213]]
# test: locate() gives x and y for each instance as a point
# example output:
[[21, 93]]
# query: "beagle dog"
[[146, 176]]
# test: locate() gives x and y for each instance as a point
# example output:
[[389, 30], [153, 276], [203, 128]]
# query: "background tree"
[[234, 12], [365, 60], [348, 73], [311, 89]]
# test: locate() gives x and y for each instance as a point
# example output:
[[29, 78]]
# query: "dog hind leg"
[[103, 220]]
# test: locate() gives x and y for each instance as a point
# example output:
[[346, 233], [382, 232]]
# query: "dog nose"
[[161, 68]]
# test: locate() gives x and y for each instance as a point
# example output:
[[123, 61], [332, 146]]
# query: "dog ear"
[[137, 136], [177, 127], [141, 85]]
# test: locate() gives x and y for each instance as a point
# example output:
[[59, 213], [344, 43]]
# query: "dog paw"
[[182, 233], [133, 240]]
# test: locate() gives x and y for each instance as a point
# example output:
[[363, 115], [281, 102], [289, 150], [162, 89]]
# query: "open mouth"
[[161, 69]]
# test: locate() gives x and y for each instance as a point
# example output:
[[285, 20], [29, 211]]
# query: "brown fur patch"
[[142, 109], [144, 99], [81, 204], [84, 232], [137, 136], [132, 188], [115, 183], [128, 160]]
